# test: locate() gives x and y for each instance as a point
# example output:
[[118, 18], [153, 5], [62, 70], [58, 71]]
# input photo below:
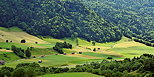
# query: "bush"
[[23, 41], [19, 72]]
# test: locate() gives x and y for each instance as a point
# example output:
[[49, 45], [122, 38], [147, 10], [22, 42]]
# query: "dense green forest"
[[135, 18], [57, 18], [142, 66]]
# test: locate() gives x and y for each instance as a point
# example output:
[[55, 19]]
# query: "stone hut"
[[64, 53], [73, 53], [40, 61], [2, 62]]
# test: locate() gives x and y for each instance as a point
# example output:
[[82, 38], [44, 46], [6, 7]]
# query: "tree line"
[[59, 47], [21, 52], [132, 17]]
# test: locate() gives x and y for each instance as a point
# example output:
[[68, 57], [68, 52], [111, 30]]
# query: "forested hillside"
[[135, 18], [57, 18]]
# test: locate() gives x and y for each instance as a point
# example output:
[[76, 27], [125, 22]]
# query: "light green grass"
[[3, 52], [54, 60], [10, 56], [5, 45], [100, 55], [42, 51], [69, 51], [8, 45], [45, 45], [52, 40], [134, 51], [58, 60], [11, 29], [74, 74]]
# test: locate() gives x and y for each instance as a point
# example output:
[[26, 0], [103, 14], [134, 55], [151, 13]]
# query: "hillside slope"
[[134, 18], [57, 18], [18, 35]]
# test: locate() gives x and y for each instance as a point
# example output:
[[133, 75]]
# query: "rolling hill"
[[57, 18], [135, 19]]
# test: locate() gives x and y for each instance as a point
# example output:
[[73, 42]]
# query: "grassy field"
[[125, 48], [8, 45], [104, 56], [117, 50], [54, 60], [11, 29], [79, 74], [42, 51], [133, 51], [10, 56]]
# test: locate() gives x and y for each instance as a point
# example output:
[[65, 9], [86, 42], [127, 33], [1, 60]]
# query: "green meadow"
[[54, 60], [117, 50], [75, 74]]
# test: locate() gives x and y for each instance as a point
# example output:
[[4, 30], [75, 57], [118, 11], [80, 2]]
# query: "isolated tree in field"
[[13, 48], [94, 49], [77, 41], [28, 53], [7, 41], [93, 43], [36, 42], [23, 41]]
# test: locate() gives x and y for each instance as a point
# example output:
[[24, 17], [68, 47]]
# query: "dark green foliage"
[[109, 57], [149, 65], [143, 66], [94, 49], [30, 72], [144, 42], [58, 49], [106, 68], [35, 65], [77, 42], [132, 18], [57, 18], [7, 41], [28, 53], [59, 46], [19, 72], [18, 51], [6, 71], [7, 48], [93, 43], [23, 41]]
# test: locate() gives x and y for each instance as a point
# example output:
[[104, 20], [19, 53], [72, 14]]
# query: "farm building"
[[2, 62], [40, 61], [73, 52]]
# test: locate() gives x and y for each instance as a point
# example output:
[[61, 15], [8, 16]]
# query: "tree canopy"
[[57, 18]]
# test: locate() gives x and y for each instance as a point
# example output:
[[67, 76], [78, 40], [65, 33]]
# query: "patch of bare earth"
[[4, 50]]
